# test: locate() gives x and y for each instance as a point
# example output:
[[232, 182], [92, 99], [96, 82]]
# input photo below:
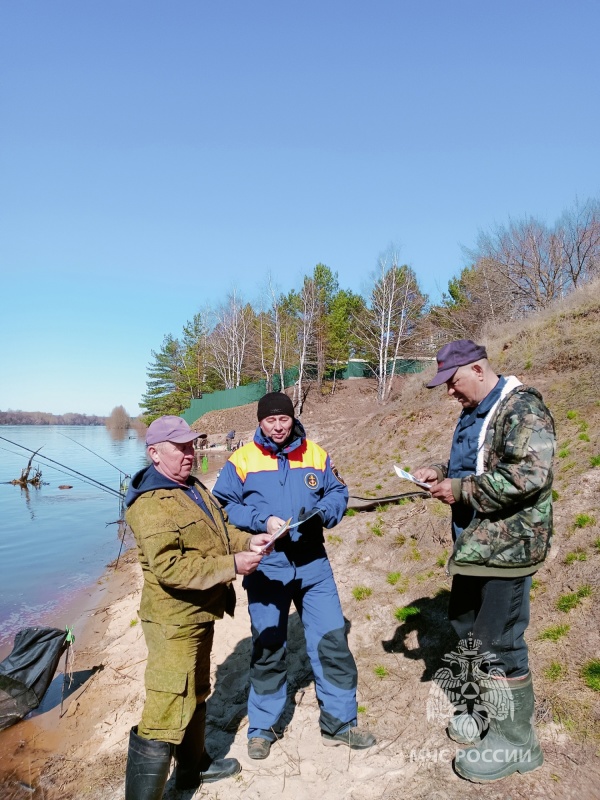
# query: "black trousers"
[[495, 611]]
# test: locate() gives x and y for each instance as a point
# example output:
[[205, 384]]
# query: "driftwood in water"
[[25, 480]]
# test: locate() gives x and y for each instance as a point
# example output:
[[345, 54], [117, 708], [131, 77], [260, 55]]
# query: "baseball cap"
[[454, 355], [170, 429]]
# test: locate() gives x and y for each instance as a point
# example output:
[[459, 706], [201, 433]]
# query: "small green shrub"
[[563, 452], [597, 544], [333, 538], [571, 415], [393, 578], [350, 512], [381, 671], [584, 437], [400, 540], [361, 592], [554, 633], [362, 709], [555, 671], [567, 602], [590, 672], [527, 364], [555, 495], [575, 555], [584, 520], [441, 560], [376, 528], [402, 614], [378, 486], [414, 554], [595, 461], [133, 623]]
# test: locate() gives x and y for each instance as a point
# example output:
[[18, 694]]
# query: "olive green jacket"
[[186, 556]]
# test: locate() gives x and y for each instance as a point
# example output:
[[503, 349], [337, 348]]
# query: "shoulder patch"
[[336, 473]]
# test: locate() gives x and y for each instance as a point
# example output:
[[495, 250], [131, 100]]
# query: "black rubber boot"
[[510, 745], [463, 729], [194, 765], [148, 763]]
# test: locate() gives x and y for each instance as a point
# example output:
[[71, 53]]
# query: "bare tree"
[[578, 236], [388, 322], [307, 308], [228, 340]]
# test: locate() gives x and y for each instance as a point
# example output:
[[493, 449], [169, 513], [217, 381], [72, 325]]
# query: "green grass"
[[402, 614], [528, 364], [584, 520], [350, 512], [333, 538], [563, 452], [567, 602], [441, 560], [381, 671], [590, 672], [595, 461], [400, 539], [393, 578], [571, 415], [361, 592], [133, 623], [362, 709], [555, 671], [536, 585], [414, 554], [378, 486], [584, 437], [555, 495], [554, 633], [576, 555], [597, 544], [376, 528]]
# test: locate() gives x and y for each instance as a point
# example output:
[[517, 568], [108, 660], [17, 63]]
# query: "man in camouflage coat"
[[498, 483], [189, 557]]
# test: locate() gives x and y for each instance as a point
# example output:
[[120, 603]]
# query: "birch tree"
[[395, 303], [228, 340]]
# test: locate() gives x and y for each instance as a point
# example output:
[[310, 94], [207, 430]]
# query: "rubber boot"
[[194, 765], [463, 729], [148, 763], [511, 745]]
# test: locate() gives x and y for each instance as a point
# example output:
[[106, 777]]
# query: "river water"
[[54, 542]]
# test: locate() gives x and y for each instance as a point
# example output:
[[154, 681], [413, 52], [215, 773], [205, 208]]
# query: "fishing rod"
[[65, 466], [62, 472], [119, 470]]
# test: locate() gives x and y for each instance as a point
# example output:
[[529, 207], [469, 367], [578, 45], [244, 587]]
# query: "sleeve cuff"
[[457, 489]]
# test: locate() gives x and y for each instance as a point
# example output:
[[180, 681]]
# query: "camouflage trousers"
[[496, 612], [177, 678]]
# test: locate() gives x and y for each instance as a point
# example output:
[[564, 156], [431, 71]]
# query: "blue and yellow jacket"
[[262, 479]]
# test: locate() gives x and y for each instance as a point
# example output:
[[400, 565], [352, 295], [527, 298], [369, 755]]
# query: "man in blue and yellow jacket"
[[282, 475]]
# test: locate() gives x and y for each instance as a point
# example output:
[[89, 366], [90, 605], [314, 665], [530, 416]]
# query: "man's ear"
[[153, 454], [478, 370]]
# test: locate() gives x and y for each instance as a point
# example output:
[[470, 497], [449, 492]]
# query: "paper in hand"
[[283, 529], [402, 473]]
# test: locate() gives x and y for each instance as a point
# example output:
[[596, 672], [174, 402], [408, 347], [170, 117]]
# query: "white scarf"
[[511, 383]]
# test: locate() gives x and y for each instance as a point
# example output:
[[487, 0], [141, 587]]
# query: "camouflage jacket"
[[511, 531], [185, 555]]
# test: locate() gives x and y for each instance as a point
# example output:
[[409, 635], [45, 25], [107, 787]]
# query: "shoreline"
[[29, 747]]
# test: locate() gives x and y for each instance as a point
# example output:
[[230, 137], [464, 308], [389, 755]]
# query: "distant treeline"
[[42, 418]]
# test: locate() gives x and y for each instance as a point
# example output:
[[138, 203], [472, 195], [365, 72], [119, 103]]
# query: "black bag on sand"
[[27, 672]]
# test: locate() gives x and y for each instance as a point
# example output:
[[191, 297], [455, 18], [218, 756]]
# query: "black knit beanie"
[[273, 404]]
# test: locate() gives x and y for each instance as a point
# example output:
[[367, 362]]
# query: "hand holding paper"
[[402, 473]]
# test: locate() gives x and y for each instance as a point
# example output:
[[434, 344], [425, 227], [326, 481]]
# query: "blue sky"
[[155, 155]]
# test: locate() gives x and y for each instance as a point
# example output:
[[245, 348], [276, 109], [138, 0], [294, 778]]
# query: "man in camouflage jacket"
[[498, 483]]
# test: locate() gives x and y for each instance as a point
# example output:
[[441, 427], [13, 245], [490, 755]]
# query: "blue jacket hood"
[[146, 480]]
